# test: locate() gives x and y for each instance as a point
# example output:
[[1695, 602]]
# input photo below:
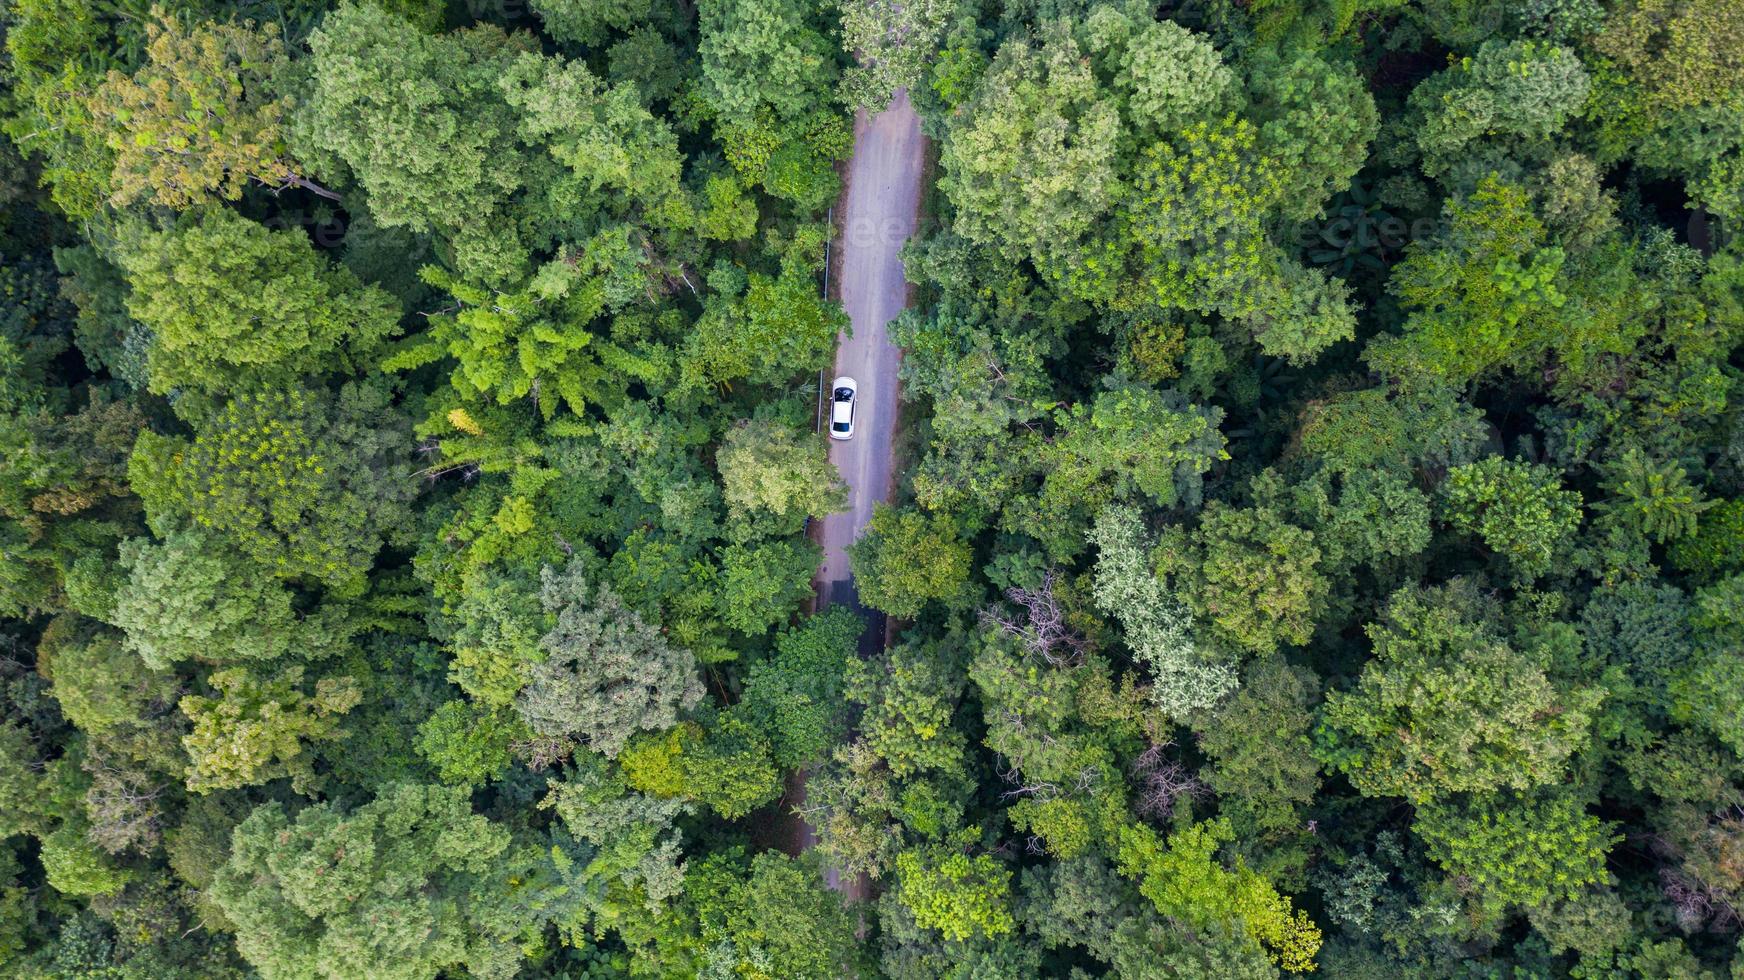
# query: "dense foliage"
[[1319, 544]]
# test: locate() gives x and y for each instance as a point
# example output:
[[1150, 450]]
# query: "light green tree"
[[1522, 89], [1171, 76], [1030, 159], [1518, 851], [75, 867], [1681, 55], [621, 176], [1483, 298], [101, 683], [637, 859], [771, 916], [188, 598], [1157, 624], [259, 727], [418, 119], [772, 477], [21, 781], [962, 895], [494, 627], [1148, 947], [308, 484], [1317, 119], [1519, 509], [1653, 496], [588, 22], [1187, 884], [468, 743], [909, 703], [732, 768], [1302, 312], [532, 343], [758, 54], [1132, 443], [1193, 225], [1262, 763], [1448, 705], [907, 558], [763, 585], [892, 44], [235, 306], [66, 485], [1254, 576], [780, 329], [392, 888]]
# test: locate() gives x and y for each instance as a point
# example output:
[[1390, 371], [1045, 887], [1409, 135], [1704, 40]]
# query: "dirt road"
[[878, 216]]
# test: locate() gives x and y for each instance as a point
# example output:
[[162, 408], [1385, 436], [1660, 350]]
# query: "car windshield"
[[840, 426], [843, 394]]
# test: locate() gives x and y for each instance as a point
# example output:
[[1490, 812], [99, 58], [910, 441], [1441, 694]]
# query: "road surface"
[[878, 212], [878, 216]]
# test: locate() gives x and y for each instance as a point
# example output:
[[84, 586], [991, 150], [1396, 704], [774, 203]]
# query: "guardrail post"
[[830, 219]]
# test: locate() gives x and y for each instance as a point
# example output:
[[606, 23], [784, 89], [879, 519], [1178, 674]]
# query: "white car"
[[842, 393]]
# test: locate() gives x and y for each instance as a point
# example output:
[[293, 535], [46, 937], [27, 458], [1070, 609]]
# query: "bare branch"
[[1161, 780], [1042, 627]]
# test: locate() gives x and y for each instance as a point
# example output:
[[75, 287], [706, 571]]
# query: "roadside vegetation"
[[1322, 547]]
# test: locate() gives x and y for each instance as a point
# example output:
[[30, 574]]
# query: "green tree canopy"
[[1030, 164], [1518, 851], [604, 673], [1519, 510], [1254, 577], [773, 477], [307, 484], [959, 894], [256, 727], [187, 597], [200, 118], [907, 558], [234, 306], [393, 887], [757, 55], [1449, 705]]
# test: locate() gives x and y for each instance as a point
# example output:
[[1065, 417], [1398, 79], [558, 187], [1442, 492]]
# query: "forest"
[[1318, 541]]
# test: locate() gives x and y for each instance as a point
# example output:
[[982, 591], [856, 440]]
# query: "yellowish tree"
[[199, 119]]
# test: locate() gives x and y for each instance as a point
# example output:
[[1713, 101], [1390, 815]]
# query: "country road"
[[878, 215]]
